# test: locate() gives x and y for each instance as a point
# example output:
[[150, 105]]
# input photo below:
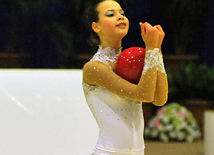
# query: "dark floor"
[[174, 148]]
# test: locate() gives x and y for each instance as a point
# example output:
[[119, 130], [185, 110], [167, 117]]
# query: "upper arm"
[[99, 74]]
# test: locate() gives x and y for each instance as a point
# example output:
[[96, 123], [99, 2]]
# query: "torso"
[[120, 120]]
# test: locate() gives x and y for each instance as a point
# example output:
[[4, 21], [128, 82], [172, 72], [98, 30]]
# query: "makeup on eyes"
[[122, 13], [111, 13]]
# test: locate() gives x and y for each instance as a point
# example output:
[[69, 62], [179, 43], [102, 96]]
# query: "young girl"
[[116, 103]]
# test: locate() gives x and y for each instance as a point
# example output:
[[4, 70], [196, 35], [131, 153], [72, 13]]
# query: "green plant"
[[191, 81], [173, 122]]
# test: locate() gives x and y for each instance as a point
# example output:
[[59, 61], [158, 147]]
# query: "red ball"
[[130, 64]]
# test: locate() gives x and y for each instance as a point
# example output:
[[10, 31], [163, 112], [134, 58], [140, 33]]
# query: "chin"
[[122, 34]]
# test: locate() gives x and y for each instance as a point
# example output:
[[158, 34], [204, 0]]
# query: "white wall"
[[44, 112]]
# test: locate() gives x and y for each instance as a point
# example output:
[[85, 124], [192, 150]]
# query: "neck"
[[112, 43]]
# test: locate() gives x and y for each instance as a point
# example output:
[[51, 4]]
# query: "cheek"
[[108, 25], [127, 23]]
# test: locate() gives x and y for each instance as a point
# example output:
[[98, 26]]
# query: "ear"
[[95, 27]]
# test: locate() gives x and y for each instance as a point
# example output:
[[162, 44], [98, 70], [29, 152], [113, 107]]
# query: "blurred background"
[[53, 33]]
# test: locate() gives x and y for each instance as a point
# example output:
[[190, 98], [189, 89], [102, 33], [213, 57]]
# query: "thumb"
[[143, 29]]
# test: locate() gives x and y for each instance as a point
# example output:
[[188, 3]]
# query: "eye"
[[109, 14], [122, 13]]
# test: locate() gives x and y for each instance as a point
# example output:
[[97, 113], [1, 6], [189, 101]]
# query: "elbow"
[[160, 101], [159, 104]]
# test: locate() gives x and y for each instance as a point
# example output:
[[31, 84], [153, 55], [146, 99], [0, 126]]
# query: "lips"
[[121, 25]]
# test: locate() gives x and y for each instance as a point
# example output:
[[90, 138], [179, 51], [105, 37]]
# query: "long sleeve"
[[99, 74], [161, 93]]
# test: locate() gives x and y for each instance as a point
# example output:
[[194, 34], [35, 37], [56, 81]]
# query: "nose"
[[121, 17]]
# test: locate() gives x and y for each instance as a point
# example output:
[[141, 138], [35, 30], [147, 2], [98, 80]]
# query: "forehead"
[[108, 5]]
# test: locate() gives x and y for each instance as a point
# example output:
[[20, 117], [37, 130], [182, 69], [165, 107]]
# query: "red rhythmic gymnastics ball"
[[130, 64]]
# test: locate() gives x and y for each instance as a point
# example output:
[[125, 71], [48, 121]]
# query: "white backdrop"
[[44, 112]]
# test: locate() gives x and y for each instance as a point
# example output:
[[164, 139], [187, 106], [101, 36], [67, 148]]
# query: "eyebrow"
[[114, 10]]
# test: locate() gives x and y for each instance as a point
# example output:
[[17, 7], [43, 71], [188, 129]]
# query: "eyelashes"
[[122, 13], [111, 13]]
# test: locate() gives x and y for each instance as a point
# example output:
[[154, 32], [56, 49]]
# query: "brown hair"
[[93, 16]]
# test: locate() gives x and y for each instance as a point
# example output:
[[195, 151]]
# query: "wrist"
[[151, 48], [151, 59]]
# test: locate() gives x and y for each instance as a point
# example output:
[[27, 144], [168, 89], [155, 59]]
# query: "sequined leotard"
[[120, 118]]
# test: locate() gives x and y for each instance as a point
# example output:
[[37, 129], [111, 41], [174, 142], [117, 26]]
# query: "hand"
[[161, 35], [152, 36]]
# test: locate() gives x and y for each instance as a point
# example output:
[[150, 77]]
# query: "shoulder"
[[93, 69], [94, 65]]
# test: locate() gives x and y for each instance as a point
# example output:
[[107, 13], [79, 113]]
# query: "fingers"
[[146, 27], [161, 32], [159, 28], [152, 35], [143, 30], [161, 35]]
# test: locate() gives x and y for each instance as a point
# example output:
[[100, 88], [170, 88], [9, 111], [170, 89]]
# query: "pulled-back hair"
[[93, 16]]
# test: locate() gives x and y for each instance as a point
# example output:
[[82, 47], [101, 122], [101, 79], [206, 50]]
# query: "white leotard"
[[120, 120]]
